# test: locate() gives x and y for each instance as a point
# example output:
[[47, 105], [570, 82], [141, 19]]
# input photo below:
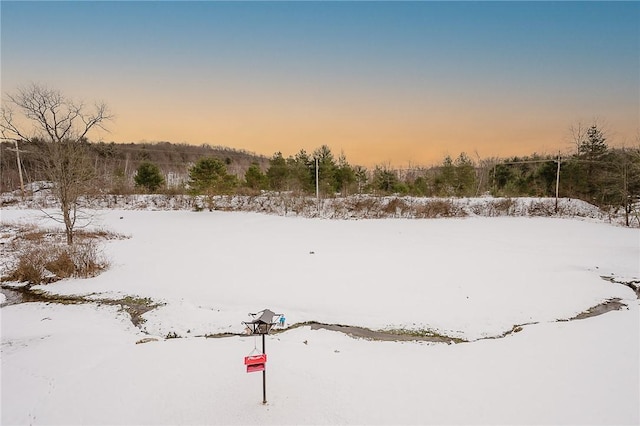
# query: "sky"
[[400, 83]]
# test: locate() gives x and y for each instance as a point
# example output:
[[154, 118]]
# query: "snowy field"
[[472, 279]]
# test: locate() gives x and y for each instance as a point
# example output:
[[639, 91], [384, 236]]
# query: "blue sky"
[[383, 81]]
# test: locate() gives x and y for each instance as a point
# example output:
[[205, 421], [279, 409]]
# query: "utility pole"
[[17, 150], [317, 186], [557, 181]]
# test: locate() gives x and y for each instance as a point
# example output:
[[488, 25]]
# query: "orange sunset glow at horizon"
[[397, 83]]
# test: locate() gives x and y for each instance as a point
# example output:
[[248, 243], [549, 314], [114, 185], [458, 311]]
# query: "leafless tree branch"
[[64, 125]]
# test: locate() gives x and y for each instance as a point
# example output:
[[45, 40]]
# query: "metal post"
[[264, 378]]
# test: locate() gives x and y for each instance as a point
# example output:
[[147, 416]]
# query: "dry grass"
[[49, 262], [41, 255]]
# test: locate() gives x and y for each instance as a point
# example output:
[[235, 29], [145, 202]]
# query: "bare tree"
[[46, 114], [577, 135]]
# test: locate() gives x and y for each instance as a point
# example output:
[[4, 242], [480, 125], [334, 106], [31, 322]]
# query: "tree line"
[[59, 151]]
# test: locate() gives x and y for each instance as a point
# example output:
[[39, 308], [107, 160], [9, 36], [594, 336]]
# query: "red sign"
[[255, 359], [255, 367]]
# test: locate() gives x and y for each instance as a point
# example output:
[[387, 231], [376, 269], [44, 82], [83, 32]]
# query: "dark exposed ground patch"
[[610, 305], [399, 335], [356, 332], [136, 307], [632, 284], [395, 335]]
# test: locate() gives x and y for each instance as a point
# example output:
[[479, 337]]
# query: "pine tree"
[[591, 150], [385, 180], [445, 179], [345, 176], [595, 144], [149, 176], [465, 176], [254, 177], [278, 172], [301, 172], [326, 170], [209, 176]]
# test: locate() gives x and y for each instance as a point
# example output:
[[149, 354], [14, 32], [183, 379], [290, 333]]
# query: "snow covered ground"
[[473, 278]]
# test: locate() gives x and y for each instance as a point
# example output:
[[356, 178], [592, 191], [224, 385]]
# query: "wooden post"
[[17, 150], [557, 181], [317, 186]]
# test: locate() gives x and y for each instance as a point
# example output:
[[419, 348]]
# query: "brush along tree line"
[[58, 150]]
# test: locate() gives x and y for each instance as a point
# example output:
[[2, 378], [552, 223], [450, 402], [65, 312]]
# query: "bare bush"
[[87, 259], [364, 206], [395, 207], [497, 207], [30, 267], [504, 205], [541, 208], [42, 255], [438, 208], [49, 262], [60, 263]]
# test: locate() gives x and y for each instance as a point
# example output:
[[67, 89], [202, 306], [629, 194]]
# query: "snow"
[[473, 278]]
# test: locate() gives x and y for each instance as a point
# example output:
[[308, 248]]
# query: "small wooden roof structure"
[[263, 321]]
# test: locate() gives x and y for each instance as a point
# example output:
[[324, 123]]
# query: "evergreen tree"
[[385, 180], [209, 176], [419, 187], [254, 178], [502, 175], [594, 145], [545, 175], [278, 172], [620, 183], [326, 170], [149, 176], [301, 172], [591, 151], [361, 178], [345, 176], [445, 179], [465, 176]]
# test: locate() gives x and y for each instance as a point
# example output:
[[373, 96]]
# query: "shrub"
[[51, 262], [438, 208], [504, 205], [497, 207], [61, 263], [395, 207], [364, 205], [149, 176], [87, 259], [41, 256], [541, 208], [30, 267]]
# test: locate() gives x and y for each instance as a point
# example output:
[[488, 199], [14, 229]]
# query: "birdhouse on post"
[[262, 324]]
